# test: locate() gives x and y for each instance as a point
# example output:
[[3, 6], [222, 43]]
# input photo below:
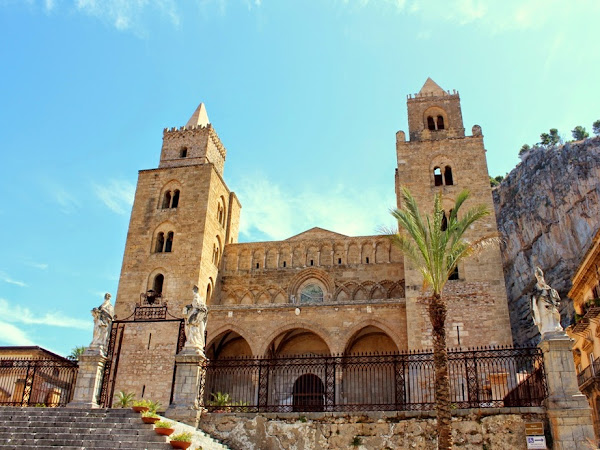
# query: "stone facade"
[[319, 292], [498, 429]]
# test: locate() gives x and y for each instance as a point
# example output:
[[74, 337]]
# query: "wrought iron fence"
[[480, 378], [36, 382]]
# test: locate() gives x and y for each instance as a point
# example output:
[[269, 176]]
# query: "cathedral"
[[315, 293]]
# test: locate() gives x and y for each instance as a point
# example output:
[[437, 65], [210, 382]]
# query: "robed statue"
[[103, 317], [195, 315], [544, 305]]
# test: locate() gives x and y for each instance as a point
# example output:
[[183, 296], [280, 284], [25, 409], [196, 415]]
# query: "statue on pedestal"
[[103, 317], [196, 315], [544, 306]]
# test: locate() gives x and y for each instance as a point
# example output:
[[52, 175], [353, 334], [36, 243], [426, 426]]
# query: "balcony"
[[589, 375]]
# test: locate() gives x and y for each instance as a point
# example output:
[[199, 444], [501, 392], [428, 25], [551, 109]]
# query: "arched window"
[[208, 293], [169, 243], [430, 123], [183, 152], [444, 225], [166, 200], [448, 181], [311, 293], [440, 122], [157, 286], [437, 176], [160, 242], [221, 211], [175, 201], [308, 393]]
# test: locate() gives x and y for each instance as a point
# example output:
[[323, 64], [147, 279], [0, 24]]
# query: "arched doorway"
[[308, 393]]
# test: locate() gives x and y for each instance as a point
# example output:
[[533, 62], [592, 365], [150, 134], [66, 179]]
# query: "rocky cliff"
[[548, 209]]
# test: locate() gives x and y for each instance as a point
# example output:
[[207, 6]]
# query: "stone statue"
[[544, 306], [195, 315], [103, 317]]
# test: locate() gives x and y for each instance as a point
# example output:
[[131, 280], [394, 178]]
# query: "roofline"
[[35, 347]]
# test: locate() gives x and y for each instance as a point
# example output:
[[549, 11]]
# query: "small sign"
[[538, 442], [534, 429]]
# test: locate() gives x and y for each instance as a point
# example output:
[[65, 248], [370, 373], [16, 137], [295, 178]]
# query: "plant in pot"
[[164, 428], [181, 440], [124, 399], [150, 417], [140, 406], [222, 402]]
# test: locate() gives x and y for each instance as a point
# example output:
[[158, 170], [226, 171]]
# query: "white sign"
[[536, 442]]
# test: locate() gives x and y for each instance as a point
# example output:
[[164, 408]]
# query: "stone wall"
[[500, 428], [548, 210]]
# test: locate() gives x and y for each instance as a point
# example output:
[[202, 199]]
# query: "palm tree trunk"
[[437, 315]]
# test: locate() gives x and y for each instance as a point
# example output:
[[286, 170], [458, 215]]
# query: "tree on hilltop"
[[579, 133], [551, 138], [524, 149], [435, 247], [596, 127]]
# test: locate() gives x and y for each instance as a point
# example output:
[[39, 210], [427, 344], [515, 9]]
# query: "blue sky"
[[306, 95]]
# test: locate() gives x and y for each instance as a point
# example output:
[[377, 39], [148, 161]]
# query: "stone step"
[[73, 428], [54, 444], [152, 436]]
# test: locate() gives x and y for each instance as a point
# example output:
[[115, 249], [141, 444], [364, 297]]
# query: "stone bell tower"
[[438, 157], [182, 217]]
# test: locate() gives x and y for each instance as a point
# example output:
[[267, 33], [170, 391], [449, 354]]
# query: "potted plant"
[[150, 417], [124, 399], [222, 401], [181, 440], [164, 428], [140, 406]]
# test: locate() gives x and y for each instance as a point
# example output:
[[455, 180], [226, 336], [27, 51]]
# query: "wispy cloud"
[[67, 201], [7, 279], [12, 335], [128, 14], [116, 195], [273, 213], [13, 313]]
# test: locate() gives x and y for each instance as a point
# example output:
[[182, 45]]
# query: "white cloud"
[[12, 335], [272, 211], [128, 14], [68, 203], [7, 279], [117, 195], [13, 313], [41, 266]]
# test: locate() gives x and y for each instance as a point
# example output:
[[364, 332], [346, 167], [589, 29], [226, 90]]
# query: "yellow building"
[[585, 294]]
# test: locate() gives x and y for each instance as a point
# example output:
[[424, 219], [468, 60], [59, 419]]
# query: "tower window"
[[166, 200], [437, 176], [339, 260], [160, 242], [448, 181], [430, 123], [444, 225], [258, 265], [440, 122], [183, 152], [169, 243], [367, 260], [311, 262], [175, 201], [284, 264], [157, 286]]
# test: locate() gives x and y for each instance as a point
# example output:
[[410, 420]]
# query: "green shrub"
[[163, 424], [183, 437], [124, 399]]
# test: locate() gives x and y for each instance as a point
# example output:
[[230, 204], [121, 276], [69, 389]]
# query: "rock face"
[[548, 210]]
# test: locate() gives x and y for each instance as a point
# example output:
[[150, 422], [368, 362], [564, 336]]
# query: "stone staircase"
[[66, 428]]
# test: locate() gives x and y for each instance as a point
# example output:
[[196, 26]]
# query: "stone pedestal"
[[89, 380], [568, 411], [187, 404]]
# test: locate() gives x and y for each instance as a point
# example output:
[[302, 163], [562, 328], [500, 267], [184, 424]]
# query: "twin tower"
[[319, 292]]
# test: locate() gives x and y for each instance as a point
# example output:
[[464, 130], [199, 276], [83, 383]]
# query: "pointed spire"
[[431, 88], [200, 117]]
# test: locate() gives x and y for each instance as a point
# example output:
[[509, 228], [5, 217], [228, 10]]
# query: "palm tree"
[[435, 244]]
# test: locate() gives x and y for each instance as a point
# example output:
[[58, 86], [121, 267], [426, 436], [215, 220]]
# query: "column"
[[568, 411], [89, 379], [189, 376]]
